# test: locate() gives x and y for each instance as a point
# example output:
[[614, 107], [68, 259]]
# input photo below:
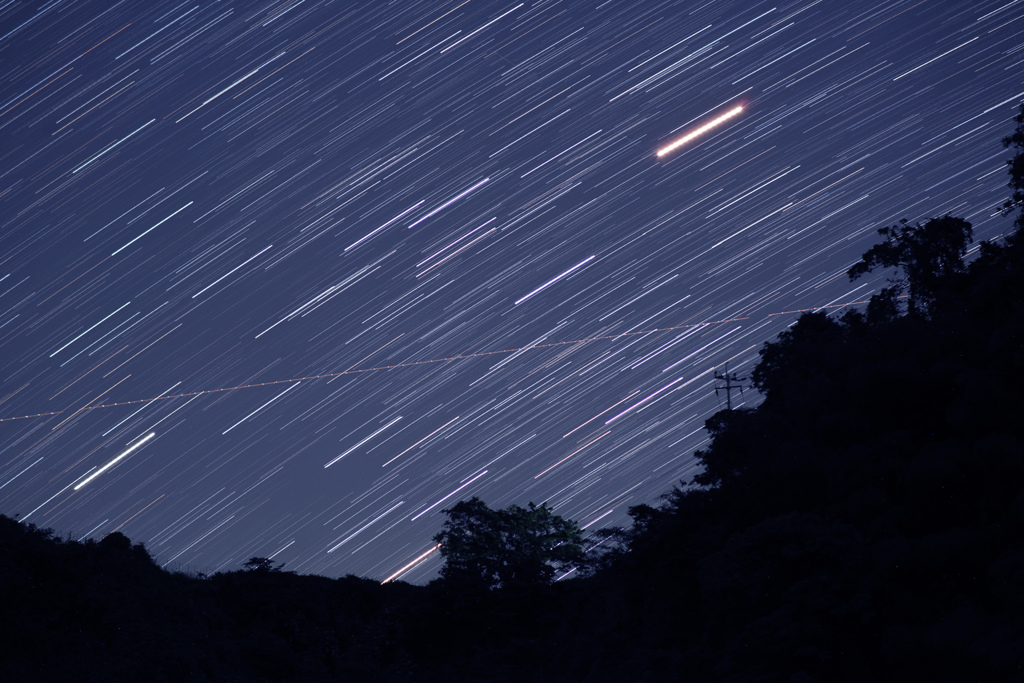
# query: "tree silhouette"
[[928, 256], [514, 546], [262, 564], [1016, 170]]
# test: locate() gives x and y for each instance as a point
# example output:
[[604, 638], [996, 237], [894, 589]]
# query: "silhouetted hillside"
[[865, 522]]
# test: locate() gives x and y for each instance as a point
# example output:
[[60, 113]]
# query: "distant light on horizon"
[[406, 567]]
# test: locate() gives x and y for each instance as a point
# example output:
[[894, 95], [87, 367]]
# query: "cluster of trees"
[[865, 521], [503, 548]]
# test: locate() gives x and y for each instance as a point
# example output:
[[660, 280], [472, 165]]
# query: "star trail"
[[284, 279], [717, 121]]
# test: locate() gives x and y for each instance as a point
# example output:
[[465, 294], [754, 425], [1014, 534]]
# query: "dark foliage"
[[514, 546], [1016, 141], [262, 564], [865, 522], [928, 257]]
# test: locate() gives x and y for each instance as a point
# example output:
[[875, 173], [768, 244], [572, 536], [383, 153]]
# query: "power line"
[[410, 364], [732, 383]]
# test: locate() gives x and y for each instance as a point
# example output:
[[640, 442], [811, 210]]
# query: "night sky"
[[286, 279]]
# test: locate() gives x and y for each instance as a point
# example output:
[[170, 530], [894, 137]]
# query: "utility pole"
[[732, 382]]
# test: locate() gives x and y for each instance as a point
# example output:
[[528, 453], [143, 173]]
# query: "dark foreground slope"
[[867, 520], [105, 612]]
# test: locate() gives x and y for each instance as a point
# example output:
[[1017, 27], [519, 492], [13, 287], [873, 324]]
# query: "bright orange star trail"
[[697, 132]]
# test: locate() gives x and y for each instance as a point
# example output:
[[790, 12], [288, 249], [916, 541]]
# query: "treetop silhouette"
[[514, 546], [926, 256]]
